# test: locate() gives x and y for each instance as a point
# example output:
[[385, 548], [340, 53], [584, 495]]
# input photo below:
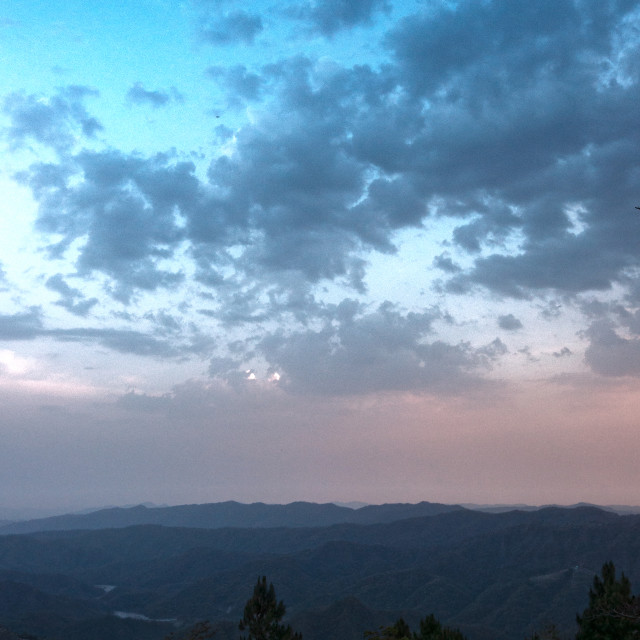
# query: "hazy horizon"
[[376, 251]]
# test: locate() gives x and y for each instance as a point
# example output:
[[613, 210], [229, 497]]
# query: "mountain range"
[[229, 514], [496, 576]]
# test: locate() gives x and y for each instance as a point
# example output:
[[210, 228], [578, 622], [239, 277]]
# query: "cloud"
[[161, 343], [445, 263], [230, 27], [123, 207], [139, 95], [57, 121], [122, 341], [73, 300], [26, 325], [493, 350], [523, 145], [239, 83], [294, 180], [609, 354], [382, 350], [330, 16], [336, 160], [529, 121], [509, 322]]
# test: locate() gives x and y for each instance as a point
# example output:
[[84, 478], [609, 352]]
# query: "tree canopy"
[[430, 629], [263, 614], [613, 611]]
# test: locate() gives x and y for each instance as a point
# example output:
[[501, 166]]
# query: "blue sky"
[[325, 250]]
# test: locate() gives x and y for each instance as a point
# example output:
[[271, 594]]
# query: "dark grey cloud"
[[286, 194], [230, 27], [166, 323], [628, 318], [526, 351], [54, 121], [551, 309], [223, 367], [564, 352], [156, 98], [610, 354], [330, 16], [566, 264], [298, 182], [532, 118], [525, 128], [123, 341], [509, 322], [30, 324], [293, 179], [431, 44], [239, 83], [445, 263], [124, 206], [382, 350], [73, 300], [493, 350], [25, 325]]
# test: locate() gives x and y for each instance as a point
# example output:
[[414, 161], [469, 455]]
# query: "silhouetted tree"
[[263, 613], [612, 612], [550, 632], [398, 631], [430, 629]]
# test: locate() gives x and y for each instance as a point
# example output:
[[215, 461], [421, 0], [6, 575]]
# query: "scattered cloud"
[[500, 143], [73, 300], [330, 16], [445, 263], [137, 94], [26, 325], [231, 27], [609, 354], [509, 322], [381, 350], [240, 84], [57, 121]]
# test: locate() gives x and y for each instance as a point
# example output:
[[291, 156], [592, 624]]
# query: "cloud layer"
[[508, 131]]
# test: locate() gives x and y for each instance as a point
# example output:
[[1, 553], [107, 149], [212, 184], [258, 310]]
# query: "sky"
[[325, 250]]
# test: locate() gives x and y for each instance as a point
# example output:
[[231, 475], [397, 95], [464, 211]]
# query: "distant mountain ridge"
[[501, 508], [220, 515]]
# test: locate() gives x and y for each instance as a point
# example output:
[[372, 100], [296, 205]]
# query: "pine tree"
[[612, 609], [263, 613], [430, 629], [398, 631]]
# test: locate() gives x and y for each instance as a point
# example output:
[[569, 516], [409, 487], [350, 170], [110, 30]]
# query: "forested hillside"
[[494, 576]]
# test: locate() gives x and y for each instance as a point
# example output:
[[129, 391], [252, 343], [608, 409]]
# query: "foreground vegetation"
[[613, 614]]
